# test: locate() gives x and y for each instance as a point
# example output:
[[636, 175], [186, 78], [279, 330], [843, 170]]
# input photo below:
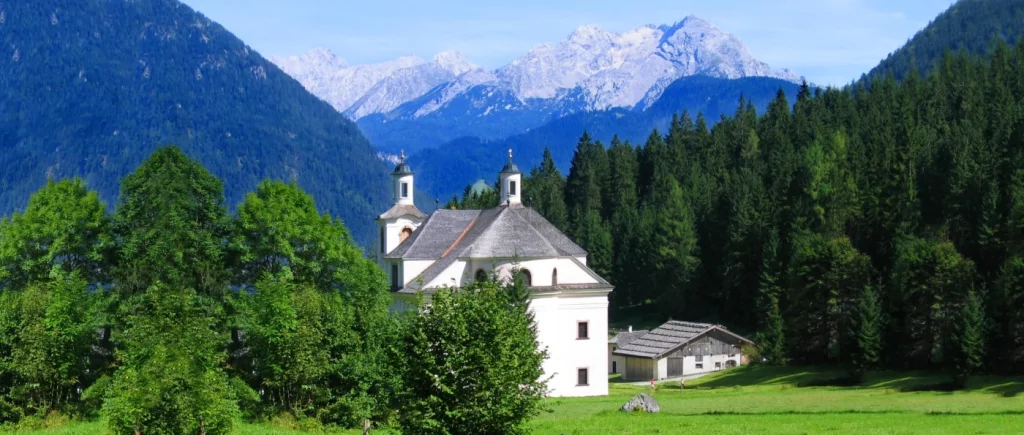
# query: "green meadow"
[[768, 400]]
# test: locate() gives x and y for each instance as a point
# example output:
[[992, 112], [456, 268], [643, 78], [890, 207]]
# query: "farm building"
[[616, 362], [678, 349]]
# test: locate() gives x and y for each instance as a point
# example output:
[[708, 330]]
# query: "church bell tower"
[[511, 180], [399, 222]]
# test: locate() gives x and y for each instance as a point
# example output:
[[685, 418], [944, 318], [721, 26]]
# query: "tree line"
[[170, 316], [876, 226]]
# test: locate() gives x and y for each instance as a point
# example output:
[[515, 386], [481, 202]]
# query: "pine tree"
[[827, 273], [770, 339], [587, 176], [544, 190], [675, 242], [866, 334], [968, 340], [1006, 303], [596, 239]]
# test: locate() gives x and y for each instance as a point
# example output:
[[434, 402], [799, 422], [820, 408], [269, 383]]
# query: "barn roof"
[[668, 337], [626, 337]]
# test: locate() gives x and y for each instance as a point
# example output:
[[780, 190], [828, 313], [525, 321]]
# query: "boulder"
[[642, 402]]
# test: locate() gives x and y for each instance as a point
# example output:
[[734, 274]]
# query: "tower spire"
[[511, 183]]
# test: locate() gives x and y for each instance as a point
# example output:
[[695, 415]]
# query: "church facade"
[[451, 248]]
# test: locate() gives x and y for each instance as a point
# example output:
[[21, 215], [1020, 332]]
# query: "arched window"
[[554, 277], [526, 277], [406, 232], [481, 276]]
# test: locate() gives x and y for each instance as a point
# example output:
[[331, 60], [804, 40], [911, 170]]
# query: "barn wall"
[[709, 353], [639, 369]]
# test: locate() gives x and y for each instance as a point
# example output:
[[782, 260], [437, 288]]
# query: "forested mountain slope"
[[969, 25], [447, 169], [90, 88]]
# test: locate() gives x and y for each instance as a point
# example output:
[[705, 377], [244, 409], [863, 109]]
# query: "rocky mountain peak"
[[453, 61], [592, 69]]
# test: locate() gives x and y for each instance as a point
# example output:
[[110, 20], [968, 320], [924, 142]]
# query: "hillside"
[[447, 169], [90, 88], [969, 25]]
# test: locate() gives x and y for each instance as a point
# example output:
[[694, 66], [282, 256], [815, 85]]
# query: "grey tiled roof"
[[435, 235], [626, 337], [663, 339], [399, 210], [502, 232]]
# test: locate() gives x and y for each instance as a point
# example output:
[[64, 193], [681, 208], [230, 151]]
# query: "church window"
[[582, 377], [406, 232], [405, 190], [481, 276], [394, 277], [582, 330], [383, 241], [511, 187], [526, 277], [554, 277]]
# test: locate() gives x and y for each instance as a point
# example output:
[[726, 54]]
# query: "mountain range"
[[592, 70], [89, 88]]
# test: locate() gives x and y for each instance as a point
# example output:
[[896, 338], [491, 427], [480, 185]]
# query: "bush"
[[471, 364]]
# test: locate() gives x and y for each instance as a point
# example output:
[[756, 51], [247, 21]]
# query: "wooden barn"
[[680, 349]]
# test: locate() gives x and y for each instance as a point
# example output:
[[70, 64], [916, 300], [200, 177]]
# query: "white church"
[[451, 248]]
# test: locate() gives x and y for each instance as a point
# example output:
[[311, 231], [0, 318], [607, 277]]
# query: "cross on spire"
[[510, 154], [403, 156]]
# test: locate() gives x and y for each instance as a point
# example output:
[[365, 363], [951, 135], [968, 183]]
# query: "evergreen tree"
[[968, 340], [827, 274], [587, 176], [674, 241], [928, 279], [1007, 307], [594, 236], [866, 333], [544, 190], [770, 338]]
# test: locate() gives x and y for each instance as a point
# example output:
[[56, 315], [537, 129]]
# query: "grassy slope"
[[773, 400]]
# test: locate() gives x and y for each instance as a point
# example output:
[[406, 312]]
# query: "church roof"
[[435, 235], [402, 169], [510, 168], [399, 210], [502, 232], [666, 338]]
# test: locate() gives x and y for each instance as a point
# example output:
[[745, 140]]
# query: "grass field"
[[762, 400]]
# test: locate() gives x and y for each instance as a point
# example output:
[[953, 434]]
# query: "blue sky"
[[828, 41]]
